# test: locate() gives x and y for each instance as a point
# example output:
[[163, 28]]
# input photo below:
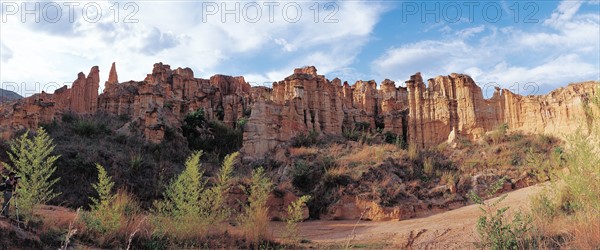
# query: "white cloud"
[[5, 53], [563, 13], [168, 32], [562, 49], [469, 32]]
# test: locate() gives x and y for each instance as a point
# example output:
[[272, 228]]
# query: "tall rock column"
[[113, 78], [84, 92]]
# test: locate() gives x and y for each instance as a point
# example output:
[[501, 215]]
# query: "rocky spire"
[[113, 78]]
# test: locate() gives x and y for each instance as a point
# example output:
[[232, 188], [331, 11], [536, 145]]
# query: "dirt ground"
[[454, 229]]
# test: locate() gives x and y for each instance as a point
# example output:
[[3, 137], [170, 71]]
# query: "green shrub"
[[210, 136], [362, 126], [301, 175], [499, 134], [351, 134], [413, 152], [390, 137], [241, 123], [495, 230], [213, 200], [110, 214], [306, 140], [102, 219], [68, 118], [429, 166], [88, 128]]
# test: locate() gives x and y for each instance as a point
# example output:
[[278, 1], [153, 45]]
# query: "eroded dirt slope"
[[449, 230]]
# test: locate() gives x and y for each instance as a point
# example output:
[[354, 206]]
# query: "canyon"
[[445, 109]]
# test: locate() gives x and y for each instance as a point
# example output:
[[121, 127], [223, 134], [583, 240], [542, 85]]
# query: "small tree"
[[32, 160], [295, 215], [103, 218], [183, 194], [104, 190], [179, 215], [213, 199], [255, 219]]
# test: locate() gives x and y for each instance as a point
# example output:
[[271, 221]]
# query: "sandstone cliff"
[[28, 113], [448, 107]]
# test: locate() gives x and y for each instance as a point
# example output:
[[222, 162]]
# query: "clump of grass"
[[429, 166], [303, 151], [413, 152], [499, 134]]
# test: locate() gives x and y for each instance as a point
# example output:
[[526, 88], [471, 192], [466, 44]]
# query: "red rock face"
[[28, 113], [166, 96], [449, 107]]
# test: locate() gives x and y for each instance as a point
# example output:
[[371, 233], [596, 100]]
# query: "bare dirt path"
[[454, 229]]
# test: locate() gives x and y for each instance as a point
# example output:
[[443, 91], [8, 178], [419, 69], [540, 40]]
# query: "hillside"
[[7, 95]]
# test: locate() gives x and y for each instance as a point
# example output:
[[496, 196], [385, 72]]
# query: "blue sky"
[[512, 44]]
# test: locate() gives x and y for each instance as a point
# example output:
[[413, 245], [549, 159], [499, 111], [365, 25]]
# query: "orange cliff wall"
[[423, 115], [28, 113], [161, 100]]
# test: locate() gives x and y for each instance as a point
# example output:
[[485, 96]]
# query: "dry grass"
[[303, 151], [370, 155]]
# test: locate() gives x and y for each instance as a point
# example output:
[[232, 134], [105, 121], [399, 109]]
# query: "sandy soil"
[[448, 230]]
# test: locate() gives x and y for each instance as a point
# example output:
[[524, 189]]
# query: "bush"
[[413, 152], [362, 126], [190, 211], [495, 230], [87, 128], [498, 135], [302, 175], [213, 200], [429, 166], [210, 136], [306, 140], [351, 134]]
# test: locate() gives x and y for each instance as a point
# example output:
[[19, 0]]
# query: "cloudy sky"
[[528, 47]]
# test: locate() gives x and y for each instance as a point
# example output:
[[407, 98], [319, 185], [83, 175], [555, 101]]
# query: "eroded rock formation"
[[28, 113], [166, 96], [448, 107]]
